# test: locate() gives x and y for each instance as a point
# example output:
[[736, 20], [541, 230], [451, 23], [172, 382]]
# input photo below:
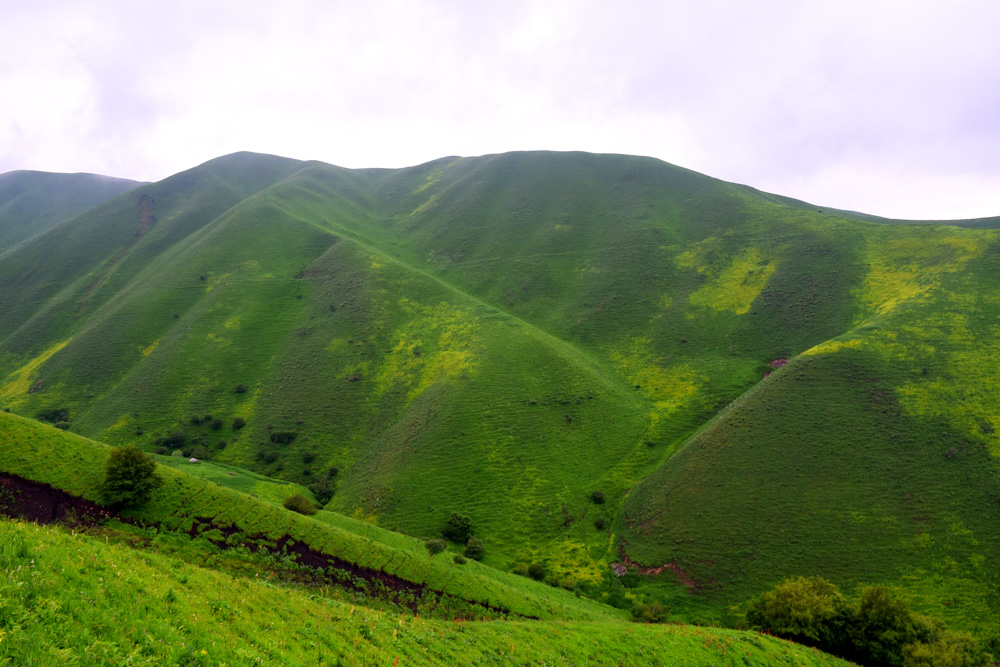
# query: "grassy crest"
[[32, 202], [503, 336]]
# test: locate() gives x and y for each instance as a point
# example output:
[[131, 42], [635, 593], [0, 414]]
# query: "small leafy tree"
[[458, 528], [806, 610], [536, 571], [129, 478]]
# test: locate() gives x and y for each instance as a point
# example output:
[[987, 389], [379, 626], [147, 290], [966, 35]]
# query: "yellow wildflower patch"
[[20, 381]]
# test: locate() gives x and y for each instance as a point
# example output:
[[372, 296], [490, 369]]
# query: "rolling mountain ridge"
[[753, 387]]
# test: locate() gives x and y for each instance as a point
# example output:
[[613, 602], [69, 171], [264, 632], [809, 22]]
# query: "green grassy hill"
[[503, 336], [196, 577], [32, 202]]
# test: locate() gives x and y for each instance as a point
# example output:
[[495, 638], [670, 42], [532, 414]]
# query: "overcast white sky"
[[891, 108]]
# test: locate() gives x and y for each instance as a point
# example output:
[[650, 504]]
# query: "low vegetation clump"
[[652, 612], [536, 571], [299, 503], [325, 486], [877, 629], [129, 478], [436, 546], [458, 528], [474, 548], [53, 415], [283, 437]]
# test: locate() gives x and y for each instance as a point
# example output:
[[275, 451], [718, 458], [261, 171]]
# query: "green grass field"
[[502, 336]]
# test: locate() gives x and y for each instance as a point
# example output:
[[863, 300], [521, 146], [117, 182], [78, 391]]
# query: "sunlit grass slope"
[[31, 202], [502, 336], [72, 599], [870, 457], [186, 504]]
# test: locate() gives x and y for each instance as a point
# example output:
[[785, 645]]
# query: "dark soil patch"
[[33, 501]]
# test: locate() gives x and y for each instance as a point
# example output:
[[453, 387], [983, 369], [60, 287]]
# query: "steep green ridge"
[[501, 336], [32, 202]]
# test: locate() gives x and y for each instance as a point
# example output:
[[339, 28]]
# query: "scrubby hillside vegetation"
[[609, 364]]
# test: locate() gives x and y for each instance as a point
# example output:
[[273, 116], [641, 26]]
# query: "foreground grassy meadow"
[[756, 387], [194, 579]]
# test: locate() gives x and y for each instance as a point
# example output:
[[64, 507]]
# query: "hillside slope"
[[32, 202], [503, 336]]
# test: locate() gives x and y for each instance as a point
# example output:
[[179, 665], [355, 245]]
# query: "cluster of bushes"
[[876, 629], [325, 486], [179, 442], [53, 415], [283, 437], [458, 529], [213, 423], [58, 416], [534, 570]]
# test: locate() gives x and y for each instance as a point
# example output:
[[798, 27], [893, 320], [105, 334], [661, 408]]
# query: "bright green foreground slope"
[[77, 599], [188, 505], [502, 336], [71, 599]]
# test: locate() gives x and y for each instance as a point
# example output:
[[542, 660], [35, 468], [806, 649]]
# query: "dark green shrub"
[[879, 629], [62, 425], [953, 649], [201, 453], [630, 579], [460, 559], [308, 456], [196, 420], [458, 528], [283, 437], [536, 571], [216, 424], [654, 612], [240, 389], [809, 611], [474, 548], [882, 625], [521, 570], [162, 451], [597, 497], [53, 415], [436, 546], [326, 485], [600, 523], [174, 440], [129, 477], [299, 503], [239, 423]]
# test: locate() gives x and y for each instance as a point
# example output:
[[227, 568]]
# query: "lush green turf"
[[501, 336], [187, 503], [71, 599], [32, 202]]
